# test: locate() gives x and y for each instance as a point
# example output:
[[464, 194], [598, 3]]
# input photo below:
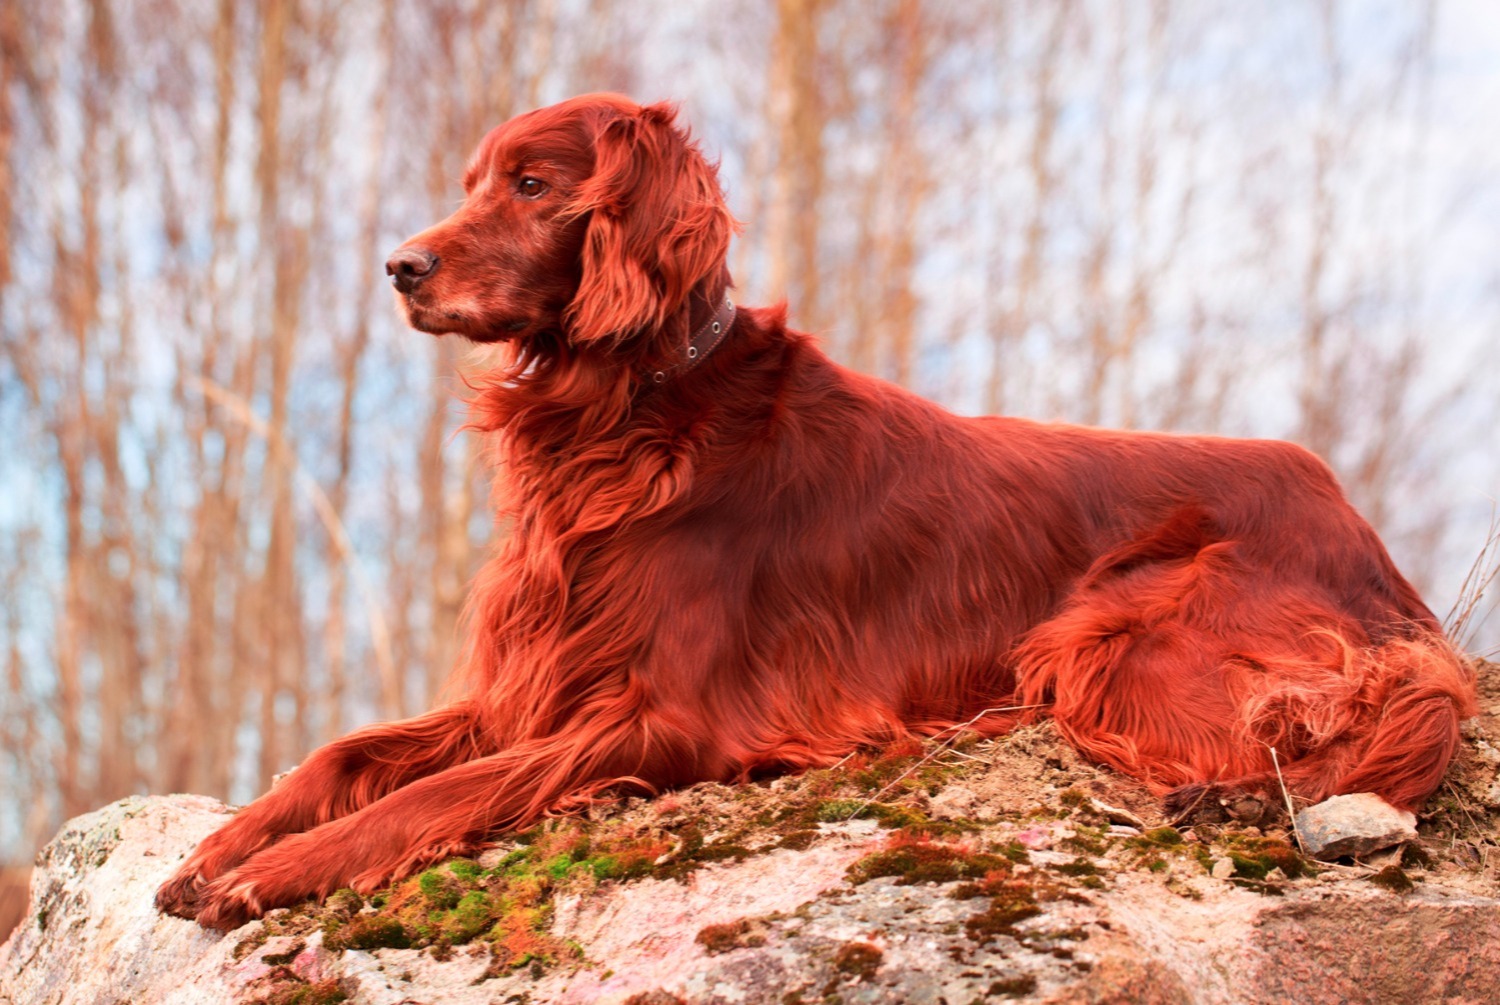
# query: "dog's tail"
[[1412, 693], [1430, 690]]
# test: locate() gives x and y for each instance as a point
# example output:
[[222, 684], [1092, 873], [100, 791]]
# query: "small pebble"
[[1353, 825]]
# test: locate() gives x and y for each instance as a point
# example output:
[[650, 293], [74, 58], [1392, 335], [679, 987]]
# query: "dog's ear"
[[657, 226]]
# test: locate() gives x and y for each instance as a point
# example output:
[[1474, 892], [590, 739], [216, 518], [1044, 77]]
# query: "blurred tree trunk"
[[909, 182], [210, 687], [285, 245], [797, 111], [12, 54], [352, 355], [1009, 324]]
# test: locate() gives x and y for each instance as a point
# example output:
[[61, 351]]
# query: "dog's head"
[[592, 220]]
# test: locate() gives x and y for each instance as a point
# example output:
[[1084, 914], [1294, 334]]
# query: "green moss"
[[1084, 842], [721, 851], [1414, 856], [1154, 847], [511, 861], [344, 901], [558, 866], [368, 932], [1014, 899], [1165, 837], [458, 902], [507, 907], [1083, 845], [626, 861], [694, 851], [475, 913], [1249, 868], [1011, 904], [1078, 867], [888, 815], [605, 867], [838, 810], [1255, 857], [1015, 851], [441, 888], [465, 869], [1393, 878], [917, 861]]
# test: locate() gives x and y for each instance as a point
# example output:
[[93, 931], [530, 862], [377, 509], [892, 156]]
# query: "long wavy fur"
[[771, 560]]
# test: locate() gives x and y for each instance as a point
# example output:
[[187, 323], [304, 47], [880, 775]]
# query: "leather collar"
[[704, 341]]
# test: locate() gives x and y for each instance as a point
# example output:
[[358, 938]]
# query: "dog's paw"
[[1210, 803], [284, 874], [229, 902], [216, 855], [181, 895], [1191, 804]]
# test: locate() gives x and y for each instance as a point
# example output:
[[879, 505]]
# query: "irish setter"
[[727, 555]]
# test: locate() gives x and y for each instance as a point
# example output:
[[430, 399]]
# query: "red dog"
[[730, 556]]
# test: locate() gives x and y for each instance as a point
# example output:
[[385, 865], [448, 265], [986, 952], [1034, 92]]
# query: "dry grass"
[[1475, 601]]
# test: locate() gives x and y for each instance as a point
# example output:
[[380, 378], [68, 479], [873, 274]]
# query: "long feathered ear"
[[657, 227]]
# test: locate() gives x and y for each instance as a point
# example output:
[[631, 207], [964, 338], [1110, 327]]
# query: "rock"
[[1353, 825], [91, 932], [955, 802], [791, 923], [1035, 838], [1116, 815]]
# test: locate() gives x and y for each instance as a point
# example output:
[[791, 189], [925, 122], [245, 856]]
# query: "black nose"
[[407, 267]]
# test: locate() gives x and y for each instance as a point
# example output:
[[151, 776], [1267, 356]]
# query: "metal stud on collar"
[[702, 344]]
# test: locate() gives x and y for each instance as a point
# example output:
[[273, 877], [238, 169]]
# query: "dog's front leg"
[[448, 813], [336, 779]]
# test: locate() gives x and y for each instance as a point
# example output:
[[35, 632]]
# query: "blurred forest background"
[[235, 517]]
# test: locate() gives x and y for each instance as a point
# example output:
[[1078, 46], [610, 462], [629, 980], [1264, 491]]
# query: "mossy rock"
[[918, 861]]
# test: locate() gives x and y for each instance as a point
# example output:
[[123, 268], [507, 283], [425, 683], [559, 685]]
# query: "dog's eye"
[[530, 188]]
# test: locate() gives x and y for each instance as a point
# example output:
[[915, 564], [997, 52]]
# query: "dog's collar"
[[704, 341]]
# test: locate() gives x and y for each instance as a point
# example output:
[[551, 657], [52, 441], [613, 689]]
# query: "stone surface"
[[1353, 825], [91, 933], [1135, 935]]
